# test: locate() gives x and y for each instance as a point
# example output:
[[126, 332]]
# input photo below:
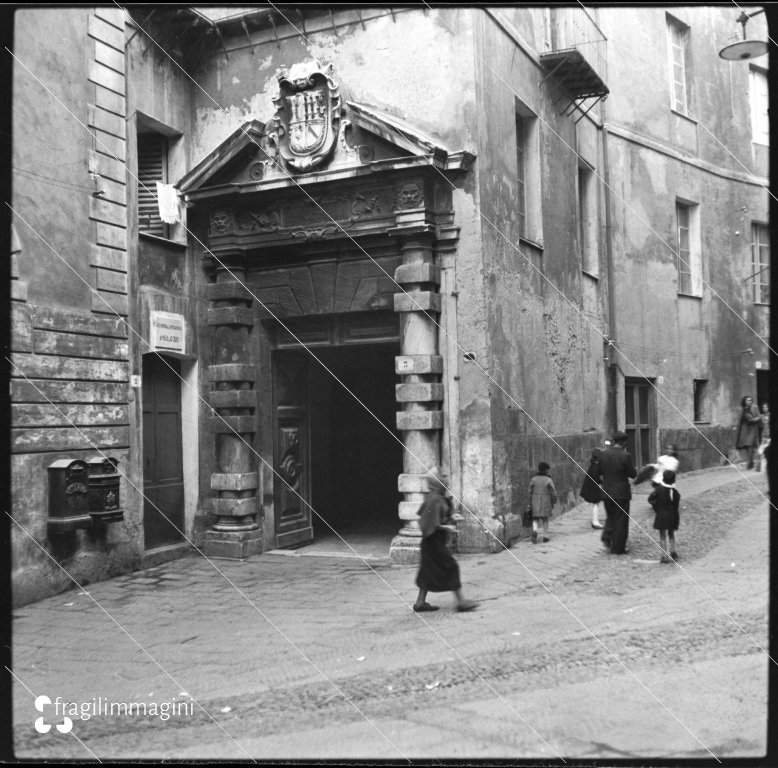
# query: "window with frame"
[[152, 167], [678, 40], [759, 98], [528, 191], [683, 244], [587, 219], [760, 263], [701, 400], [521, 174]]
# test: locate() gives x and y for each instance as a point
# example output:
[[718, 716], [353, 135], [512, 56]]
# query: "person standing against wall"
[[615, 471], [764, 439], [747, 438]]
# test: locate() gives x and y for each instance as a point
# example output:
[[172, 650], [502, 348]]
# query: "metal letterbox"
[[68, 496], [104, 506]]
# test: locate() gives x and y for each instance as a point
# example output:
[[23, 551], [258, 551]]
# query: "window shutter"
[[152, 167]]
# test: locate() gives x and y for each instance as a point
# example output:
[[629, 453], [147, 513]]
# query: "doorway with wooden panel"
[[640, 420], [163, 473], [337, 452]]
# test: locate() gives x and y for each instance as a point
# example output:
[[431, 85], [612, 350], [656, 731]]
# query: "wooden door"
[[291, 450], [163, 471], [639, 421]]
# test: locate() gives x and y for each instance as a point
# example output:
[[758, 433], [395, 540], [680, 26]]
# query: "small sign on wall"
[[167, 332]]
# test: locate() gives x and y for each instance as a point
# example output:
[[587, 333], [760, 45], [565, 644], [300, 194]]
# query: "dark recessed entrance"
[[351, 455], [356, 453]]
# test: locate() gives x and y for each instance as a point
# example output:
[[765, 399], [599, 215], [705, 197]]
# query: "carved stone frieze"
[[409, 195], [307, 219], [221, 223], [364, 205], [267, 220]]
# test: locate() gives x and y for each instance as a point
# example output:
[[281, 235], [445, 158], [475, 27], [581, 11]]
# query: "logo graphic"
[[42, 726], [307, 117]]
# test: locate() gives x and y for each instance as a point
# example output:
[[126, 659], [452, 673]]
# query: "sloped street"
[[572, 652]]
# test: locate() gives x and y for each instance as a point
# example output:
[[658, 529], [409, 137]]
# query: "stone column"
[[235, 534], [420, 392]]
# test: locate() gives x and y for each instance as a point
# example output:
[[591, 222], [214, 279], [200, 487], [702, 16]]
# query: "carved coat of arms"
[[307, 117]]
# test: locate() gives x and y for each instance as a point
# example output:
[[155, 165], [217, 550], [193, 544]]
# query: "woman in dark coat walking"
[[439, 571], [747, 437]]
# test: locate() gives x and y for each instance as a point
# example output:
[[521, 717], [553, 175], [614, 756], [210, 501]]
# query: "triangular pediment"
[[231, 156], [368, 140]]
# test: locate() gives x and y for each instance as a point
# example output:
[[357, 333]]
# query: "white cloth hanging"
[[167, 198]]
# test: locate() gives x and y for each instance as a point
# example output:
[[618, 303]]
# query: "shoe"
[[534, 537], [545, 538], [467, 605], [664, 559], [674, 555], [597, 526], [424, 607]]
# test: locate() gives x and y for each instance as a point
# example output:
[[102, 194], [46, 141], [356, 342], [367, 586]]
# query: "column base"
[[236, 545], [405, 550]]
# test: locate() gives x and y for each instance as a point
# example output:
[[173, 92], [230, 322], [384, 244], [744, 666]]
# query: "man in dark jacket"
[[616, 469]]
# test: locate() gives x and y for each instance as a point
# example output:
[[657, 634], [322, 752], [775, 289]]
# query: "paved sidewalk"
[[222, 632]]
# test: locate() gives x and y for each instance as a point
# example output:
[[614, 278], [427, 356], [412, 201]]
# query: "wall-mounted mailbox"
[[68, 496], [104, 506]]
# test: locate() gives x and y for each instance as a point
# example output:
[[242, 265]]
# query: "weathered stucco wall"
[[412, 67], [545, 354], [52, 155], [703, 159], [70, 378]]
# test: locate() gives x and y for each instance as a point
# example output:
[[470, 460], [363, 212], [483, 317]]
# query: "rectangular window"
[[760, 101], [683, 245], [521, 175], [760, 263], [152, 167], [678, 37], [587, 220], [701, 400], [528, 189]]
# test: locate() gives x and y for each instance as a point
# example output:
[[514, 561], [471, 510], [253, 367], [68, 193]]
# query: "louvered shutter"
[[152, 167]]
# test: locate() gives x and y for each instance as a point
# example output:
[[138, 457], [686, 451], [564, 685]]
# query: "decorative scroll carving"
[[305, 126], [409, 195], [364, 153], [315, 233]]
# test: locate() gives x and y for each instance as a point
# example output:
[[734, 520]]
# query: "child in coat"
[[591, 490], [543, 497], [665, 500]]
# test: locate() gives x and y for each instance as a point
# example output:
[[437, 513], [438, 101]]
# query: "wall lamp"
[[744, 49]]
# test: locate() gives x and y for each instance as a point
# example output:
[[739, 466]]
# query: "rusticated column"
[[420, 392], [236, 533]]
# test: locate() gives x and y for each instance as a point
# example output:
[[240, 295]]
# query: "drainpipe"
[[610, 351]]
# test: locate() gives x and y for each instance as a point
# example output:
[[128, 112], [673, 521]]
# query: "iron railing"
[[576, 29]]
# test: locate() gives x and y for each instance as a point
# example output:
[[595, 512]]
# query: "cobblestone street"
[[571, 653]]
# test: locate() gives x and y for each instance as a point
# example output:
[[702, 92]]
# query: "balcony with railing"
[[577, 59]]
